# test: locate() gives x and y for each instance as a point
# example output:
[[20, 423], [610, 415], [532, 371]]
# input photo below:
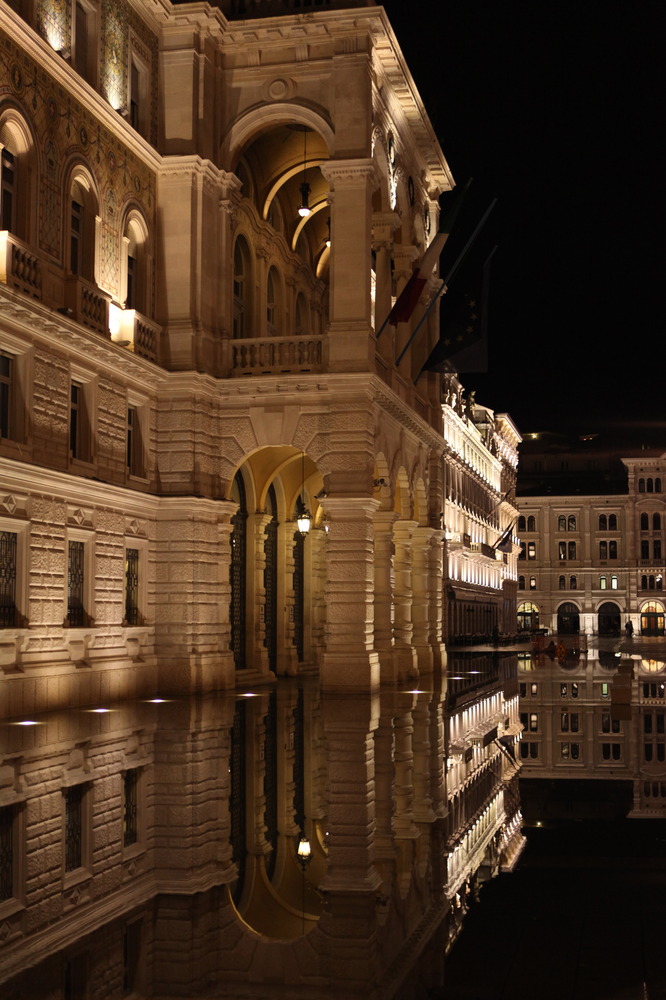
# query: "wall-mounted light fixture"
[[303, 519]]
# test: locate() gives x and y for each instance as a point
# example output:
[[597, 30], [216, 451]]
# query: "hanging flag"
[[463, 340], [505, 542], [408, 299]]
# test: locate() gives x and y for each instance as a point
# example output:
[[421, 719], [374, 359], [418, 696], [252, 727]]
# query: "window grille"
[[130, 807], [8, 614], [132, 586], [74, 827], [6, 853], [75, 584]]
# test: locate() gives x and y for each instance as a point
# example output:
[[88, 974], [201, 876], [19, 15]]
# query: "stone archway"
[[609, 619], [568, 619]]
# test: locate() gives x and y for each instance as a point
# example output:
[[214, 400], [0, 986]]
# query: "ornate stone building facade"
[[205, 221]]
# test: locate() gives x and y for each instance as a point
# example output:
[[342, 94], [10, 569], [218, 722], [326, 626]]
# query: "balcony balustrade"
[[19, 267], [276, 355]]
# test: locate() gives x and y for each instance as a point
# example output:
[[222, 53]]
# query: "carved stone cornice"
[[351, 173]]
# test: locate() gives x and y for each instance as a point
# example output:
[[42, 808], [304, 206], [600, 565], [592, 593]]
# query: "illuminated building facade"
[[479, 509], [204, 222], [593, 563]]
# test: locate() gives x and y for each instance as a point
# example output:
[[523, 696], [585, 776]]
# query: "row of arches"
[[608, 615], [21, 176]]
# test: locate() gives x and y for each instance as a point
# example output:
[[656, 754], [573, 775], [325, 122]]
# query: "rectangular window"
[[564, 751], [134, 442], [575, 751], [605, 689], [532, 583], [612, 550], [7, 853], [75, 827], [132, 587], [523, 689], [130, 807], [534, 722], [656, 548], [562, 550], [531, 550], [6, 376], [563, 690], [605, 723], [564, 722], [8, 611], [76, 614], [533, 690], [572, 550], [574, 690]]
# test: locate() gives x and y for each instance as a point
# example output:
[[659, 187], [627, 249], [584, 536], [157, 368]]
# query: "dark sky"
[[558, 111]]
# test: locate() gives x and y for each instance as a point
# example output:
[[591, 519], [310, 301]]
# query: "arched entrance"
[[652, 618], [277, 564], [528, 617], [608, 617], [568, 619]]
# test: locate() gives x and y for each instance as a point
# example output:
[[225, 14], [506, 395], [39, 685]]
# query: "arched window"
[[531, 523], [656, 522], [137, 264], [644, 522], [657, 485], [644, 582], [572, 550], [641, 486], [242, 290], [650, 486], [532, 583], [521, 523], [613, 582], [603, 522], [521, 583], [16, 175], [83, 210], [612, 522], [273, 304], [561, 523], [573, 583], [612, 550], [571, 523], [563, 583], [602, 582]]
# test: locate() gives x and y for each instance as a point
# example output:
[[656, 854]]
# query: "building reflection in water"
[[149, 848], [596, 714]]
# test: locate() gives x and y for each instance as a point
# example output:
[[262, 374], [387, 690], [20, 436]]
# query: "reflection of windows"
[[612, 550], [612, 522], [571, 523], [532, 583], [531, 550], [571, 550], [521, 583], [531, 523], [569, 751], [8, 853], [8, 575], [613, 582], [603, 550], [602, 582], [656, 549], [605, 689], [562, 583], [611, 751], [603, 522], [573, 583], [76, 614], [656, 522], [131, 807], [561, 523], [529, 750], [561, 550], [645, 549], [132, 587], [569, 722], [644, 522]]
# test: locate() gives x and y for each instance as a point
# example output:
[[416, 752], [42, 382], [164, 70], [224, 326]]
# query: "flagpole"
[[443, 287], [446, 227]]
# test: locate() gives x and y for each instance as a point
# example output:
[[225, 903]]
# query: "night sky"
[[558, 111]]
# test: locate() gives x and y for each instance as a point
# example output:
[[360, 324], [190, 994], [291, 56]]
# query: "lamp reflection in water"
[[304, 855]]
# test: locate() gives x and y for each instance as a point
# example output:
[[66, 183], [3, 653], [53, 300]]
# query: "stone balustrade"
[[272, 355], [19, 267]]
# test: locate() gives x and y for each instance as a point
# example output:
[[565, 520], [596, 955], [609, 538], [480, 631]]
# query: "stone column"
[[405, 653], [383, 224], [351, 342], [230, 195], [383, 526], [256, 599], [421, 597], [350, 662], [287, 657]]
